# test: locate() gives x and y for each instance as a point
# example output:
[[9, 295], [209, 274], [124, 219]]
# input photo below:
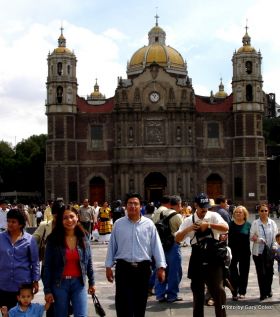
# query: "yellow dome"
[[246, 48], [161, 54], [62, 50], [221, 93], [157, 52]]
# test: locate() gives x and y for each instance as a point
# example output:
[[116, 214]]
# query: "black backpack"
[[164, 231]]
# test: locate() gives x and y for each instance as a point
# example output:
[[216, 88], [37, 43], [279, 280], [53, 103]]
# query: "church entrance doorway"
[[214, 186], [155, 185], [97, 190]]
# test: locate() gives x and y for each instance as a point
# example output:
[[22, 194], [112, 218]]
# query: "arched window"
[[59, 68], [68, 69], [59, 94], [248, 67], [249, 93]]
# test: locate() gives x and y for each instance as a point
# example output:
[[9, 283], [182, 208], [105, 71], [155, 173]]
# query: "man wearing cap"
[[204, 224]]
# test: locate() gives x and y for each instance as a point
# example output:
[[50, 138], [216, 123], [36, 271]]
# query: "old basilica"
[[155, 135]]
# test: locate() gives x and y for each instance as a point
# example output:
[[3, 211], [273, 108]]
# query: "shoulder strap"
[[195, 235], [264, 233], [171, 215]]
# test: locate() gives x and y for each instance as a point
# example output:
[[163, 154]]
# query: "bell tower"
[[61, 82], [61, 110], [249, 161]]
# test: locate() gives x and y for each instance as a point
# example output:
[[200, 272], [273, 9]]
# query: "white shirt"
[[3, 218], [95, 212], [210, 217]]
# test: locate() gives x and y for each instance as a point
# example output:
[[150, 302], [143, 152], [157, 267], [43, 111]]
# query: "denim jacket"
[[55, 262]]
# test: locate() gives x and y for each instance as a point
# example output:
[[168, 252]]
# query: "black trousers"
[[264, 274], [132, 283], [239, 273], [87, 226], [213, 276]]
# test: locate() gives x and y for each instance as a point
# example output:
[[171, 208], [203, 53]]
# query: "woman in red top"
[[67, 264]]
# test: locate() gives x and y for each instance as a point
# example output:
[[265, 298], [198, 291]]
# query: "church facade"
[[155, 135]]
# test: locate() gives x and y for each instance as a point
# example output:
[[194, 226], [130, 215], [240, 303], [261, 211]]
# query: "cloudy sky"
[[105, 33]]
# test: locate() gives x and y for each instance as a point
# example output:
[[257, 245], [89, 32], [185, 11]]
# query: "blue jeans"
[[170, 287], [70, 290]]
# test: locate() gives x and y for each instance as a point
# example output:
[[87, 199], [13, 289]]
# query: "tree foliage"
[[22, 167], [271, 130]]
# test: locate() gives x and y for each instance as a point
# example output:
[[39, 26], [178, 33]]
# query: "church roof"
[[206, 104], [85, 107]]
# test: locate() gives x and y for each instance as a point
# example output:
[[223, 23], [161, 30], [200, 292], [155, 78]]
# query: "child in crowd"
[[277, 252], [24, 306]]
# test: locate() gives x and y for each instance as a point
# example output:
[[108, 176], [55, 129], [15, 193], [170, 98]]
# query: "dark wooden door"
[[97, 193]]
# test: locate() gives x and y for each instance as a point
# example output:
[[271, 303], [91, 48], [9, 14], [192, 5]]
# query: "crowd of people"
[[137, 260]]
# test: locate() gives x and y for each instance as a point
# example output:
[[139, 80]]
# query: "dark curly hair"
[[18, 215]]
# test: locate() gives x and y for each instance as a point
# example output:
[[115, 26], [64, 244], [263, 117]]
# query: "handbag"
[[268, 254], [98, 307]]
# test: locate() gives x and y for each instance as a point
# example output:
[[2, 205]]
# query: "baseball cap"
[[202, 200]]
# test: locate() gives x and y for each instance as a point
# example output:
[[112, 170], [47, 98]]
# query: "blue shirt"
[[34, 310], [135, 242], [19, 262]]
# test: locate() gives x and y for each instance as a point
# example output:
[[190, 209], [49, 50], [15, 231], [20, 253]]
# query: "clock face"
[[154, 96]]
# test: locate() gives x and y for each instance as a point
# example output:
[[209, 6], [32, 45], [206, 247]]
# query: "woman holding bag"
[[68, 265], [263, 231]]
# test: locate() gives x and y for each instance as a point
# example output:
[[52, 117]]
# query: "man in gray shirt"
[[86, 214]]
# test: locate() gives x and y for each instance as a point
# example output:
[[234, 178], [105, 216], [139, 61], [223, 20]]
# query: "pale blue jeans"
[[70, 290]]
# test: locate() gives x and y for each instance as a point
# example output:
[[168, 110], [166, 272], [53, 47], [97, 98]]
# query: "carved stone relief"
[[154, 132]]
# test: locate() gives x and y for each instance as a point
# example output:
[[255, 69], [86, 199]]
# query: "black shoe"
[[177, 299], [262, 298], [270, 295], [162, 300]]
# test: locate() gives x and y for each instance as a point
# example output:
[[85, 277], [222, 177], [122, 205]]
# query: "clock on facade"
[[154, 96]]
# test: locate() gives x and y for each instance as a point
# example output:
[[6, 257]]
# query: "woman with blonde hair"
[[239, 242], [263, 232]]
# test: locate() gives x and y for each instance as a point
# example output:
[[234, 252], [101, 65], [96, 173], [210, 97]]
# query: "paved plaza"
[[251, 306]]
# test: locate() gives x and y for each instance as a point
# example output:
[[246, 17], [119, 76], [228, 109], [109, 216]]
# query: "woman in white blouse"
[[263, 231]]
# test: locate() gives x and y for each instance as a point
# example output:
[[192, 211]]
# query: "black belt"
[[134, 264]]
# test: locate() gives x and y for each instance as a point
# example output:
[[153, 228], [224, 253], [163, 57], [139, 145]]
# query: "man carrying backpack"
[[169, 211]]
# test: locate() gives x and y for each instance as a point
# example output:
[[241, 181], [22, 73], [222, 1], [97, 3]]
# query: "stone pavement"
[[251, 306]]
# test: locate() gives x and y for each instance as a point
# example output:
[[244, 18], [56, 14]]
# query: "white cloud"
[[206, 33], [115, 34]]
